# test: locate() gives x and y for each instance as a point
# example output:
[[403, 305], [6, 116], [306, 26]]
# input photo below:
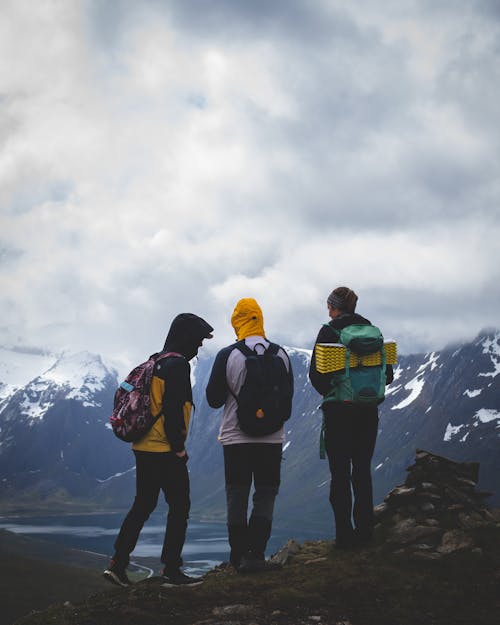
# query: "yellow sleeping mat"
[[331, 357]]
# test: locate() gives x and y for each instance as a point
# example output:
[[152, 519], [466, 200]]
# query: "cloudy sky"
[[167, 156]]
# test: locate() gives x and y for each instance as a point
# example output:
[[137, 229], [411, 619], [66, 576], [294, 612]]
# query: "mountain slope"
[[47, 570], [54, 440], [448, 402], [55, 445]]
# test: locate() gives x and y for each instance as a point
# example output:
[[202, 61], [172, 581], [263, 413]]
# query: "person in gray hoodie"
[[247, 458]]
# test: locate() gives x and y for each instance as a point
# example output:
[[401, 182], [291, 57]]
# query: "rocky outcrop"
[[434, 512]]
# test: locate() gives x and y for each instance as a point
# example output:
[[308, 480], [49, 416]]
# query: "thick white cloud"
[[160, 157]]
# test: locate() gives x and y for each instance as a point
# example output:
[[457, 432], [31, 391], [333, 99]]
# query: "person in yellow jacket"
[[247, 458], [161, 459]]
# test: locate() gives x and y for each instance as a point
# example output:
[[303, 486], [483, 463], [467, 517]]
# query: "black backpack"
[[265, 399]]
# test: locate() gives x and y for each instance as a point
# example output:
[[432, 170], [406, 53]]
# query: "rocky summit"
[[434, 512], [435, 560]]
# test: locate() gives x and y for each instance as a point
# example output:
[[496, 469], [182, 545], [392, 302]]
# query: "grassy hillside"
[[34, 574], [371, 586]]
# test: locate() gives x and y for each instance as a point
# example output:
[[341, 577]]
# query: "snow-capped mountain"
[[54, 439], [447, 402], [53, 436], [18, 367]]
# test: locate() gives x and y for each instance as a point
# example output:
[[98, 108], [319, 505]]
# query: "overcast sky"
[[166, 156]]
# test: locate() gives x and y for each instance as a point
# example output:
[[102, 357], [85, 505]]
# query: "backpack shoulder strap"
[[333, 330], [159, 358], [244, 349], [159, 355], [273, 348], [163, 355]]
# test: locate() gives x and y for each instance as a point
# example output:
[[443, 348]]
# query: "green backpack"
[[361, 384]]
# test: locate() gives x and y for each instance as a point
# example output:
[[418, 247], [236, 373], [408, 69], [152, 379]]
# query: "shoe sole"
[[192, 585], [112, 577], [262, 566]]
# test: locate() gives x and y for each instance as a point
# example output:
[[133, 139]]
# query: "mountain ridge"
[[55, 440]]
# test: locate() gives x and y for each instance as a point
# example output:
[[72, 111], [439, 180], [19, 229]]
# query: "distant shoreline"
[[38, 512]]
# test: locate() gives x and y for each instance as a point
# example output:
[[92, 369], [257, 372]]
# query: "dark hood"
[[186, 334], [348, 319]]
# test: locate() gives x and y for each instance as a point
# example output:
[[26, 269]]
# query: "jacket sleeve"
[[288, 365], [321, 381], [389, 374], [217, 388], [176, 374]]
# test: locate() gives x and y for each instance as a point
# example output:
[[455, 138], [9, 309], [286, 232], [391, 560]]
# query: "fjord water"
[[205, 547]]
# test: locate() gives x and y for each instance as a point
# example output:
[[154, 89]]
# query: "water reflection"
[[206, 543]]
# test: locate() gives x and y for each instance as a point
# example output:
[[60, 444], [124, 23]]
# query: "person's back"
[[350, 431], [247, 458], [161, 457]]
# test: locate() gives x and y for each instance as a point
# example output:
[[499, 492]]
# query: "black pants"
[[154, 472], [244, 463], [351, 433]]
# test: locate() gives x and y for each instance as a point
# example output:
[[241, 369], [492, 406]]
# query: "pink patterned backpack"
[[131, 418]]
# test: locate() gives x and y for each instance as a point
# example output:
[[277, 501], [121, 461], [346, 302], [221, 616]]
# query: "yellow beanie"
[[247, 319]]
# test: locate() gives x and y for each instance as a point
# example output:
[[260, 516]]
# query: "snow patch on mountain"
[[430, 362], [305, 354], [112, 477], [491, 347], [18, 368], [393, 388], [35, 404], [451, 431], [485, 415], [397, 373], [416, 384], [415, 387], [78, 376], [473, 393], [192, 373], [79, 371]]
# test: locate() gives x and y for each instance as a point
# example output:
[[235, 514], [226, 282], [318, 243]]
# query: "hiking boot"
[[251, 564], [345, 545], [345, 539], [346, 542], [363, 538], [116, 575], [177, 578]]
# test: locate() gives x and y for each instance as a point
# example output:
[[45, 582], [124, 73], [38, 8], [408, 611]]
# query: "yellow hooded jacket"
[[247, 319], [155, 439], [171, 393]]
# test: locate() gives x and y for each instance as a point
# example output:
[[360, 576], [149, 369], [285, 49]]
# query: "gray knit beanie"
[[336, 301]]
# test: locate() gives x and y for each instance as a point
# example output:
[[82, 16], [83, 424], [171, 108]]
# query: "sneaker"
[[177, 578], [116, 575]]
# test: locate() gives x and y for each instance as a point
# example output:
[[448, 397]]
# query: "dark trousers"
[[244, 463], [155, 472], [351, 433]]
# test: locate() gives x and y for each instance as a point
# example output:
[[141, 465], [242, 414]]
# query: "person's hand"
[[181, 454]]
